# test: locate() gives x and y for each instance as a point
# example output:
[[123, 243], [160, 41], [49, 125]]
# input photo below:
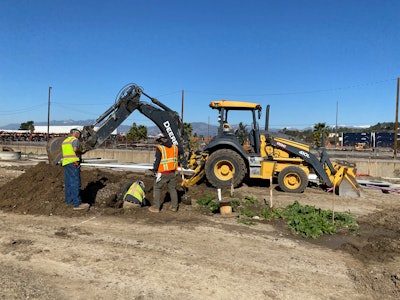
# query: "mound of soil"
[[40, 191]]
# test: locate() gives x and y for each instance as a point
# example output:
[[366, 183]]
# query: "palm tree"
[[188, 129], [320, 130], [136, 133], [242, 132]]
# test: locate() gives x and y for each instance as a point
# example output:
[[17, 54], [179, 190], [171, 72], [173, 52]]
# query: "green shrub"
[[247, 212], [250, 200], [306, 221], [209, 202]]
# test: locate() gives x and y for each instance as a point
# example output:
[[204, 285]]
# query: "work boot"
[[154, 209], [173, 209], [82, 206]]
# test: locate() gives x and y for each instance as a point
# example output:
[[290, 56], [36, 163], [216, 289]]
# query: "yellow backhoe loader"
[[228, 158]]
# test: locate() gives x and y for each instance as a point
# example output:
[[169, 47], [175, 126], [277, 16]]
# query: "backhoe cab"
[[232, 155]]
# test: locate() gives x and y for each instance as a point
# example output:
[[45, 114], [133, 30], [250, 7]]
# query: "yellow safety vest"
[[68, 154], [169, 158], [136, 191]]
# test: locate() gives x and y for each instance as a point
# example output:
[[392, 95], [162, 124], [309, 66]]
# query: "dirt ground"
[[49, 251]]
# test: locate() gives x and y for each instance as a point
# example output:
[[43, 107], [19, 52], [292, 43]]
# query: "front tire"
[[292, 180], [225, 167]]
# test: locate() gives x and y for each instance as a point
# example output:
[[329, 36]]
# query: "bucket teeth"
[[345, 182], [347, 189]]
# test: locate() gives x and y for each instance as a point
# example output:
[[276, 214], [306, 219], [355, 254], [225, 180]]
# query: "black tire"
[[224, 166], [292, 180]]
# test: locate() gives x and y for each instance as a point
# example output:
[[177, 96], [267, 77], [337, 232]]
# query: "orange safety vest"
[[68, 154], [169, 158]]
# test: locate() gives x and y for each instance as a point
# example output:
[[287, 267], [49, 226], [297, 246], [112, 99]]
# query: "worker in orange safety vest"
[[165, 166]]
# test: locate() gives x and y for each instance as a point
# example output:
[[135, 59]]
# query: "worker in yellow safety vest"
[[165, 165], [71, 157], [133, 194]]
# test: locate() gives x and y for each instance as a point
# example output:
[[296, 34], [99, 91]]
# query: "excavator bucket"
[[345, 182], [54, 151]]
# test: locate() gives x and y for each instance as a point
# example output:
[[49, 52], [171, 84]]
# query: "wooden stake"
[[270, 192], [232, 188], [333, 204]]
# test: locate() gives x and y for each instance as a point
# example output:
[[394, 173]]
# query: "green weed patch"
[[304, 220]]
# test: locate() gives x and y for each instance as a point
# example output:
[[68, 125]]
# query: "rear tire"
[[224, 167], [292, 180]]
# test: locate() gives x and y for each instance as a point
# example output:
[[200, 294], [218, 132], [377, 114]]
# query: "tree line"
[[314, 135], [311, 136]]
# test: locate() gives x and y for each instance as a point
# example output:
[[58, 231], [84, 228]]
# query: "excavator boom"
[[128, 100]]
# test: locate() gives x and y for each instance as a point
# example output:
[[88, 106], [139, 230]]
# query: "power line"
[[294, 92], [21, 110]]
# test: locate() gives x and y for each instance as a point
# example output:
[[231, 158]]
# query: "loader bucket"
[[54, 151], [345, 182]]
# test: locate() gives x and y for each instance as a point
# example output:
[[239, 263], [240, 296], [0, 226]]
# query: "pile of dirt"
[[40, 191]]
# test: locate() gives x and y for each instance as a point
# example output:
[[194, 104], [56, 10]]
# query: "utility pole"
[[48, 114], [396, 123], [336, 133], [208, 127], [183, 104], [183, 101]]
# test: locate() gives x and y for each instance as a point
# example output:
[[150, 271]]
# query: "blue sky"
[[304, 58]]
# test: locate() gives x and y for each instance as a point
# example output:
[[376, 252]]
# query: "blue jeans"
[[72, 182]]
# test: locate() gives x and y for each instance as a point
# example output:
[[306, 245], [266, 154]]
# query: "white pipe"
[[142, 167]]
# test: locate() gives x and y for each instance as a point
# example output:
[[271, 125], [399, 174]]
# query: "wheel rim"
[[224, 170], [292, 181]]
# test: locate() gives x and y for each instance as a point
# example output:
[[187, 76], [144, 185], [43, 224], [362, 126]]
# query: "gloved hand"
[[158, 177]]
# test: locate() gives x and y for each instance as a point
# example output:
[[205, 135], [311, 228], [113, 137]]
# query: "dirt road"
[[48, 251]]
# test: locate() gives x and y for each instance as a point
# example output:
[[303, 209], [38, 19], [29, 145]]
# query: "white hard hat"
[[159, 136], [75, 130]]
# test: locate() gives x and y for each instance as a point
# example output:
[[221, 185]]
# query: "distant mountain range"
[[200, 128]]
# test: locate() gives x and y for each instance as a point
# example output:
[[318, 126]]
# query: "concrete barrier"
[[383, 168], [10, 155], [121, 155]]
